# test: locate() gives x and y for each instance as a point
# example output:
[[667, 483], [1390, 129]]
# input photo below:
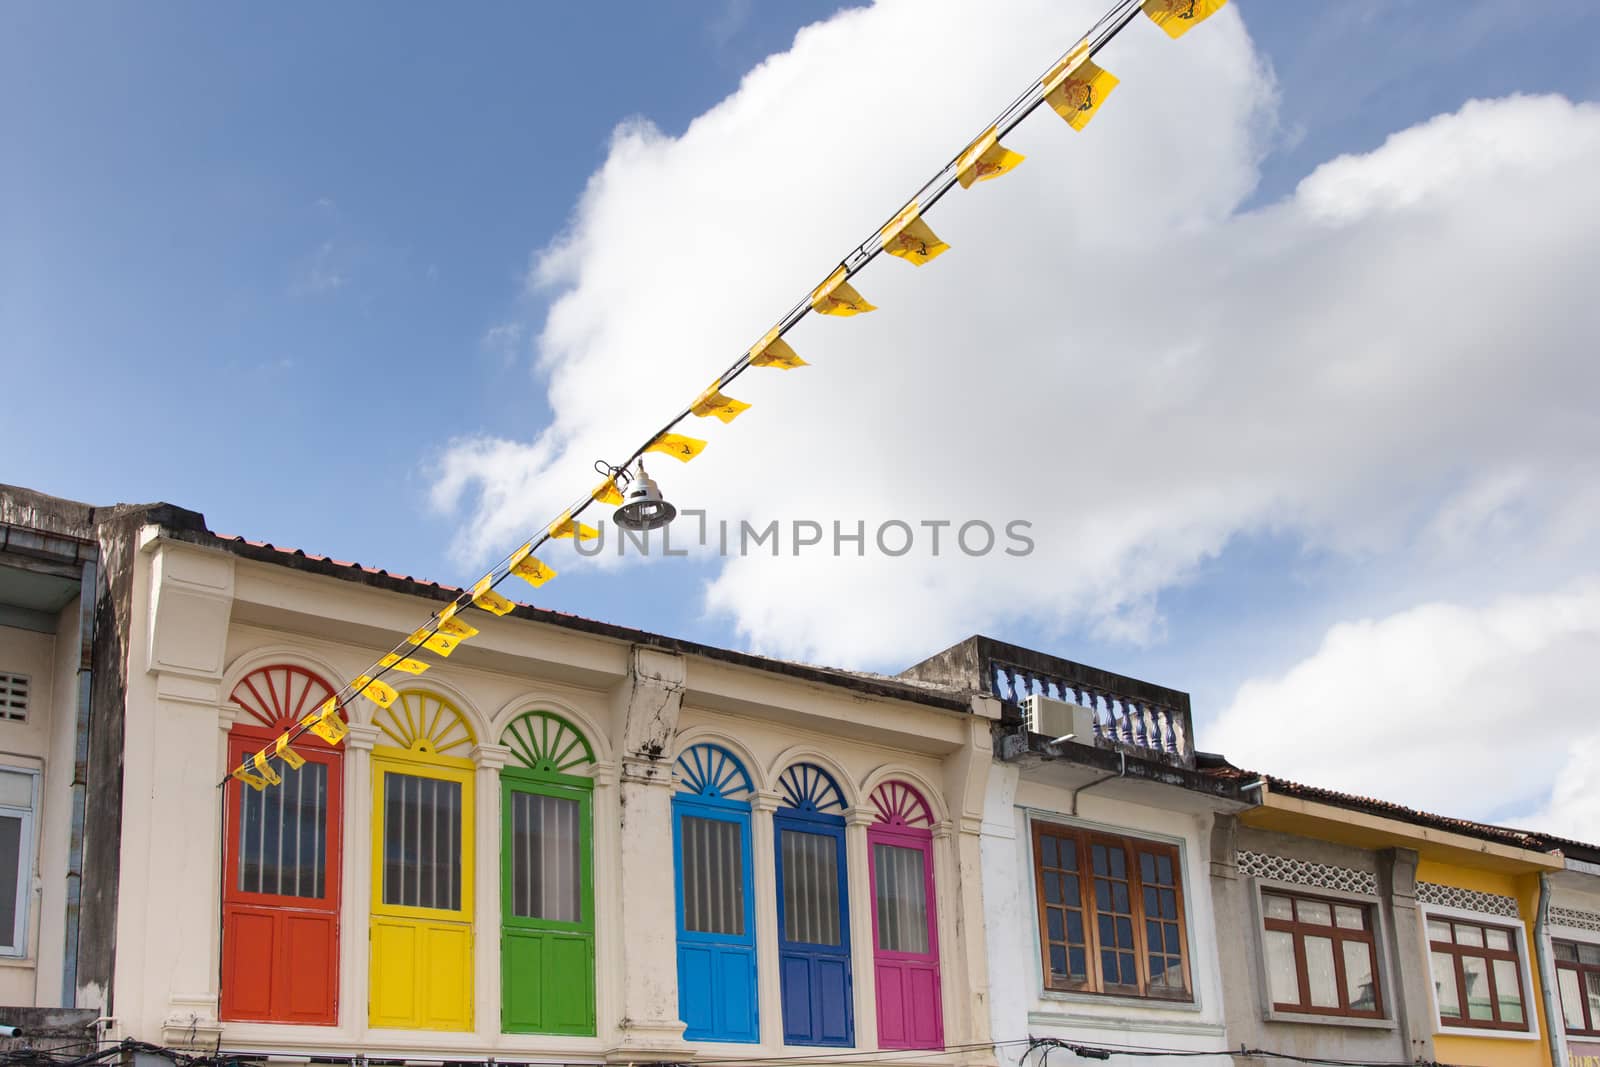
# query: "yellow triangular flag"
[[442, 643], [493, 602], [607, 492], [1178, 17], [1078, 92], [567, 526], [677, 446], [287, 754], [457, 629], [985, 158], [326, 722], [254, 781], [712, 403], [911, 239], [409, 666], [530, 570], [265, 769], [381, 693], [774, 351], [835, 296]]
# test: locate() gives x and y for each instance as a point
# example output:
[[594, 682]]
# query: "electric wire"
[[931, 192]]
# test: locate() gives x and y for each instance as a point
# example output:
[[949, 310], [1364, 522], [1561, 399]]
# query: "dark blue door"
[[813, 913]]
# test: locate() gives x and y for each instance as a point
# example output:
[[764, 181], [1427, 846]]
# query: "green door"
[[547, 903]]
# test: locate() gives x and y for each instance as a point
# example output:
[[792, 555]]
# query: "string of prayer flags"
[[442, 643], [774, 351], [910, 238], [493, 602], [326, 722], [712, 403], [288, 754], [985, 158], [398, 663], [1077, 87], [254, 781], [264, 769], [677, 446], [529, 568], [380, 693], [835, 296], [567, 526], [1178, 17], [607, 492]]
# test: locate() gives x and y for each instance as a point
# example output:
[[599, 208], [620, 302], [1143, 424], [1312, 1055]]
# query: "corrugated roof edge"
[[1529, 839], [943, 697]]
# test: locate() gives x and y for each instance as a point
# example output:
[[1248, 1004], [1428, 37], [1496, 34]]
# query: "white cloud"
[[1449, 708], [1393, 357]]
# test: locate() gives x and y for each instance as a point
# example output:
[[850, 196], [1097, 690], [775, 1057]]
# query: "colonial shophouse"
[[571, 842]]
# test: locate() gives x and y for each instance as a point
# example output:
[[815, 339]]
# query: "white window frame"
[[25, 842], [1530, 1008]]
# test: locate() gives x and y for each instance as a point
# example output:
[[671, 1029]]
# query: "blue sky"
[[269, 263]]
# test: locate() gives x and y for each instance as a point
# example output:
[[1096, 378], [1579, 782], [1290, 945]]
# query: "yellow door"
[[422, 861]]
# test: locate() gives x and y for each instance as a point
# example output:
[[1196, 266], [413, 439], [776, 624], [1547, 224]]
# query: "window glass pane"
[[1315, 912], [16, 790], [1591, 990], [1589, 953], [1571, 998], [1361, 988], [1282, 983], [1475, 972], [282, 831], [421, 841], [1277, 907], [1350, 918], [1438, 931], [810, 888], [713, 876], [1566, 950], [1497, 939], [901, 896], [10, 873], [545, 878], [1469, 935], [1508, 991], [1444, 984], [1320, 973]]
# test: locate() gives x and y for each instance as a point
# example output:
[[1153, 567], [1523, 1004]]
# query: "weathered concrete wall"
[[1404, 1033]]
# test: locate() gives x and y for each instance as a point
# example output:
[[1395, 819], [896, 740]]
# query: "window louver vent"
[[13, 697]]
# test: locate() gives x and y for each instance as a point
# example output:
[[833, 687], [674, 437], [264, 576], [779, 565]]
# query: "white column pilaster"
[[355, 902], [763, 842], [865, 983], [486, 878]]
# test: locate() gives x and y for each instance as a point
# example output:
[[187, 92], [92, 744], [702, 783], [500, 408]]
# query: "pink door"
[[905, 932]]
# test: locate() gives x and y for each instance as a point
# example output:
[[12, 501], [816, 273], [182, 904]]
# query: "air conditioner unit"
[[1058, 718]]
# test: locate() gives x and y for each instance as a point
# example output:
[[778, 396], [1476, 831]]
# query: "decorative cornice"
[[1581, 920], [1449, 896], [1306, 872]]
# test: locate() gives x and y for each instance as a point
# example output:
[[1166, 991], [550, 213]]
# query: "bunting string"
[[1074, 87]]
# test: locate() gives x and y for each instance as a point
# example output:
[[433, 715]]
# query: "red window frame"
[[1583, 970], [1457, 952], [271, 942], [1299, 929]]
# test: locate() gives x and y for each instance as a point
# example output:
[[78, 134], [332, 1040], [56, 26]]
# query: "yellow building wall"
[[1495, 1051]]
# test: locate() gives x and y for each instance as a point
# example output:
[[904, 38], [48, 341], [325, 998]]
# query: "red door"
[[280, 893]]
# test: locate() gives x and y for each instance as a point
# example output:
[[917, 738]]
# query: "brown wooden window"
[[1477, 974], [1578, 975], [1321, 955], [1110, 914]]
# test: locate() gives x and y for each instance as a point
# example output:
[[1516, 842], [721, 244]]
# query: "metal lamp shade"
[[643, 508]]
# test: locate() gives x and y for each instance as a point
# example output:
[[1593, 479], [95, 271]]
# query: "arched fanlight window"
[[904, 928], [281, 853], [422, 863], [813, 909], [546, 872], [716, 921]]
